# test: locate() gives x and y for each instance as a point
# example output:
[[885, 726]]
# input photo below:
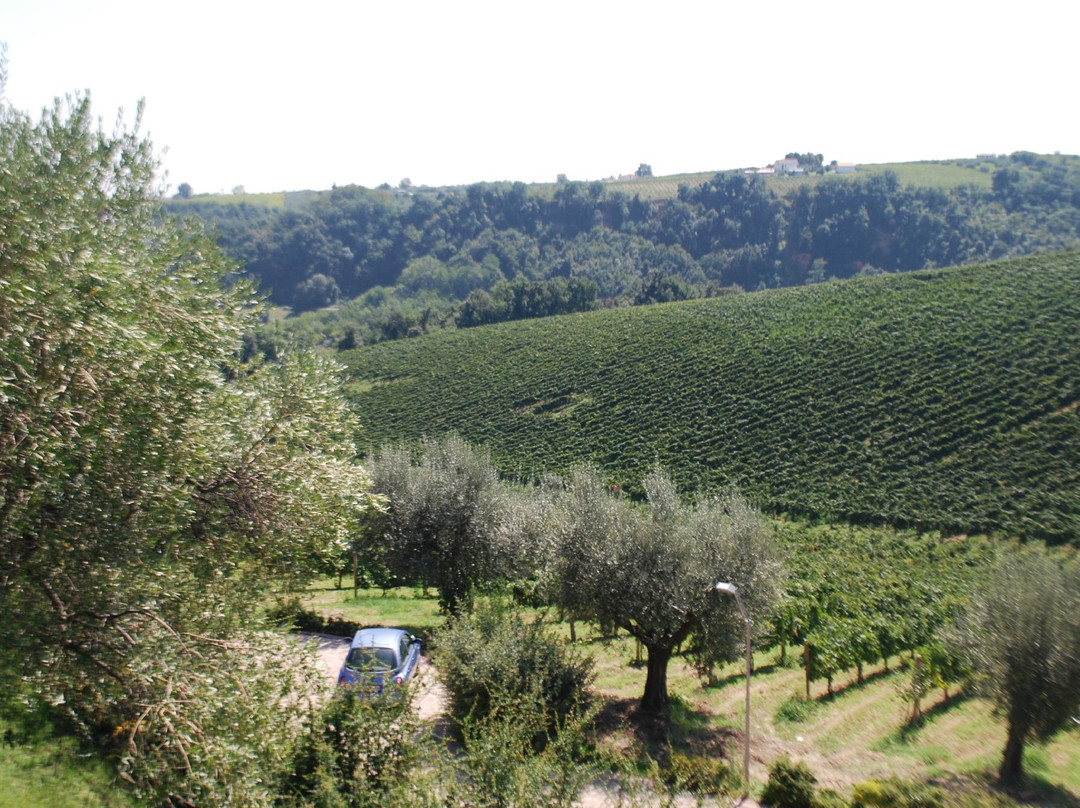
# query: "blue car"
[[379, 656]]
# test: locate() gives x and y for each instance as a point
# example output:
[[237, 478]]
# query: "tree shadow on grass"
[[682, 729], [739, 675], [911, 729], [855, 686], [1035, 790]]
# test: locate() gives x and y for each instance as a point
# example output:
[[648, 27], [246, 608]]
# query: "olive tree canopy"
[[653, 572], [151, 484], [1024, 641]]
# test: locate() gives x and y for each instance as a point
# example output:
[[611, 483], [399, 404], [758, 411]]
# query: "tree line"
[[732, 231]]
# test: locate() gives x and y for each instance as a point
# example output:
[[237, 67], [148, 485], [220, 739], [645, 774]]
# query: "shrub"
[[795, 709], [699, 774], [493, 652], [357, 752], [791, 785], [502, 767], [895, 793]]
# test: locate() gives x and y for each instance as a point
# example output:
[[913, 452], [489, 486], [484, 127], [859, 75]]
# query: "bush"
[[501, 765], [494, 652], [699, 774], [357, 753], [895, 793], [791, 785], [795, 709]]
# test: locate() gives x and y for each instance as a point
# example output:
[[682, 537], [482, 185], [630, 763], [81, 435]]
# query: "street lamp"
[[731, 589]]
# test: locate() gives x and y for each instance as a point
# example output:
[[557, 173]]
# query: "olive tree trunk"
[[1012, 762], [655, 698]]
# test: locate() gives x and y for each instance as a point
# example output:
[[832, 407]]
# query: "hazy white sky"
[[288, 96]]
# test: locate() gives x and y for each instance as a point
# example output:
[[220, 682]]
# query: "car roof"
[[378, 638]]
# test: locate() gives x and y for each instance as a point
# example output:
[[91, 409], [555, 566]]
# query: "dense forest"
[[407, 261]]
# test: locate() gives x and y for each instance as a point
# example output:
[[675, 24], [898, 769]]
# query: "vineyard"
[[944, 399]]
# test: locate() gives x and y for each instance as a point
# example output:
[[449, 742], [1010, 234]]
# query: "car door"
[[410, 652]]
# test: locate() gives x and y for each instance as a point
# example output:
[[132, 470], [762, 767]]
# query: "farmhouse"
[[845, 168], [789, 165]]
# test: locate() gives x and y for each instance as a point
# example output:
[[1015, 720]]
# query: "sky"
[[291, 96]]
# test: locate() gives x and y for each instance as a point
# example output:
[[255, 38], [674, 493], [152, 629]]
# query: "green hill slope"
[[941, 399]]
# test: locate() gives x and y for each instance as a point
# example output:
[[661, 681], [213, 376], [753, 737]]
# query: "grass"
[[941, 175], [401, 607], [40, 770], [275, 200]]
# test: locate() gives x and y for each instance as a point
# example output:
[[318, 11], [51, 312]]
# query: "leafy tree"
[[653, 574], [643, 170], [184, 191], [151, 484], [1024, 641], [317, 291], [449, 521]]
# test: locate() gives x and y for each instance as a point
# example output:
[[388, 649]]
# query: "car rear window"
[[371, 659]]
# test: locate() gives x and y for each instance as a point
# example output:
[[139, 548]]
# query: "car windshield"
[[371, 659]]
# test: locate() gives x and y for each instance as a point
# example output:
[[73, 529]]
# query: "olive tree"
[[1024, 643], [449, 521], [652, 571], [151, 483]]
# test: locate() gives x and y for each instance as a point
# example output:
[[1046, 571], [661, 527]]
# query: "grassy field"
[[942, 175], [857, 733], [277, 200]]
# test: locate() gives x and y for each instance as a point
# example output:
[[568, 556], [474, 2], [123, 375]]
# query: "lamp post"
[[731, 589]]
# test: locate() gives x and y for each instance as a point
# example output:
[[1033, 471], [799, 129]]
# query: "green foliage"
[[653, 574], [1022, 641], [152, 483], [493, 653], [450, 522], [790, 785], [896, 793], [859, 595], [358, 751], [208, 721], [700, 774], [940, 400], [502, 768]]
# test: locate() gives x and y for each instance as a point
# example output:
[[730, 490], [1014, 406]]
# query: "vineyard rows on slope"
[[940, 399]]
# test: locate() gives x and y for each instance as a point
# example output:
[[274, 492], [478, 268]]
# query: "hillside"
[[937, 399], [355, 266]]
